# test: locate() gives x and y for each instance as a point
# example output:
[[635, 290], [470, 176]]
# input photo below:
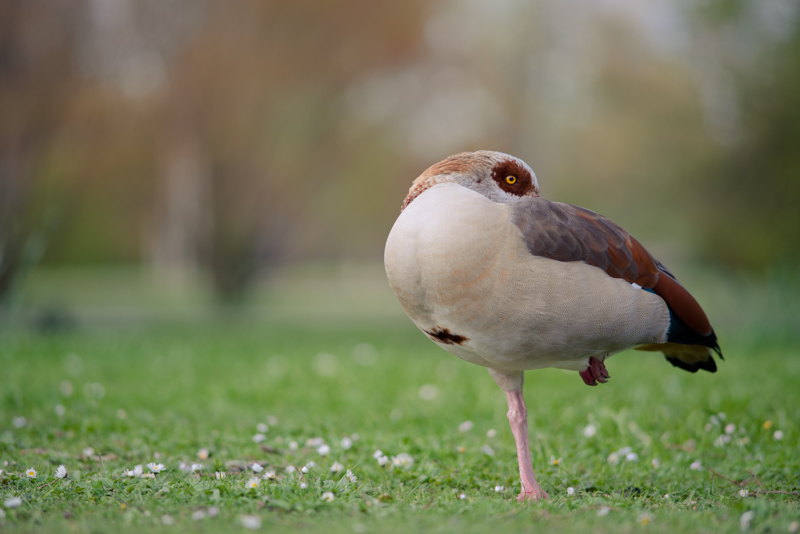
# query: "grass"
[[163, 392]]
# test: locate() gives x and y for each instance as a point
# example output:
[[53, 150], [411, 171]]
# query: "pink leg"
[[596, 372], [518, 419]]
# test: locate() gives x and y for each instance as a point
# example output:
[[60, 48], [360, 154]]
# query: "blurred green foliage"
[[758, 183], [197, 136]]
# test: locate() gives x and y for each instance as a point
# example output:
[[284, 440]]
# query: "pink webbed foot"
[[537, 494], [596, 372]]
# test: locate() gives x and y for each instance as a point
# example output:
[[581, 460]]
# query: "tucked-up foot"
[[537, 494], [596, 372]]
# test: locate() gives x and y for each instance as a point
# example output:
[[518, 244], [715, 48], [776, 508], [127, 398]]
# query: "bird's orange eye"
[[511, 180]]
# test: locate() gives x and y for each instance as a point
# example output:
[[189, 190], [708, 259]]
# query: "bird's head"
[[497, 176]]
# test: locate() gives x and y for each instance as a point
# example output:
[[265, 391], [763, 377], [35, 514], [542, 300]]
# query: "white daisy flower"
[[346, 443], [323, 449], [149, 475], [258, 438], [262, 428], [613, 458], [60, 410], [744, 493], [293, 446], [589, 431], [427, 392], [269, 475], [466, 426], [138, 470], [337, 467], [252, 483], [196, 467], [730, 428], [722, 440], [311, 464], [155, 468], [303, 485], [88, 451], [13, 502], [554, 460], [603, 511], [377, 454], [462, 496], [19, 422], [402, 460], [656, 463], [570, 491], [271, 419], [256, 467], [197, 515], [253, 522], [666, 495], [632, 457], [350, 476], [314, 442], [202, 454], [220, 475], [31, 472], [696, 466], [778, 435], [328, 496], [487, 450], [213, 511], [491, 433], [745, 519], [61, 472], [290, 469], [383, 460], [498, 489], [305, 469], [645, 518]]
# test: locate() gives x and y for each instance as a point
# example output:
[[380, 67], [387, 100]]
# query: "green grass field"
[[162, 391]]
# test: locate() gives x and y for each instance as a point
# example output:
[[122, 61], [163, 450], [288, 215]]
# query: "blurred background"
[[180, 158]]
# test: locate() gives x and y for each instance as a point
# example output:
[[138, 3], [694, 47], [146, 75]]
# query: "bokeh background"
[[193, 158]]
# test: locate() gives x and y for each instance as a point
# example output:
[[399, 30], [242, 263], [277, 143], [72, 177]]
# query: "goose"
[[502, 278]]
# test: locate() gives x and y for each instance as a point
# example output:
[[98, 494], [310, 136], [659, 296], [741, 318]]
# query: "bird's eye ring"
[[511, 180]]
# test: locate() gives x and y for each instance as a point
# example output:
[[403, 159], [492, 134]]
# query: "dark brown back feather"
[[563, 232]]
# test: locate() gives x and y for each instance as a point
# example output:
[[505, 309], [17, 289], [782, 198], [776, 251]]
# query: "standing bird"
[[504, 279]]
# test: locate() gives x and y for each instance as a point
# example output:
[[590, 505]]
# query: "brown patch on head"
[[458, 163], [514, 178], [443, 335], [462, 163]]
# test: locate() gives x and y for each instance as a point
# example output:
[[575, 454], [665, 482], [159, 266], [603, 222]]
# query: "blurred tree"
[[216, 139], [36, 79], [258, 96], [749, 211], [759, 182]]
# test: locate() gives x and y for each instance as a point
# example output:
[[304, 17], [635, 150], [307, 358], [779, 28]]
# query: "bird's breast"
[[463, 274]]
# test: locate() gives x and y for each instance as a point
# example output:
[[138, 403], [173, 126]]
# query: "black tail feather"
[[707, 365], [680, 333]]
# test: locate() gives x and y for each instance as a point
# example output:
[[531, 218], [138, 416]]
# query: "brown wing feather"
[[683, 304], [566, 233]]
